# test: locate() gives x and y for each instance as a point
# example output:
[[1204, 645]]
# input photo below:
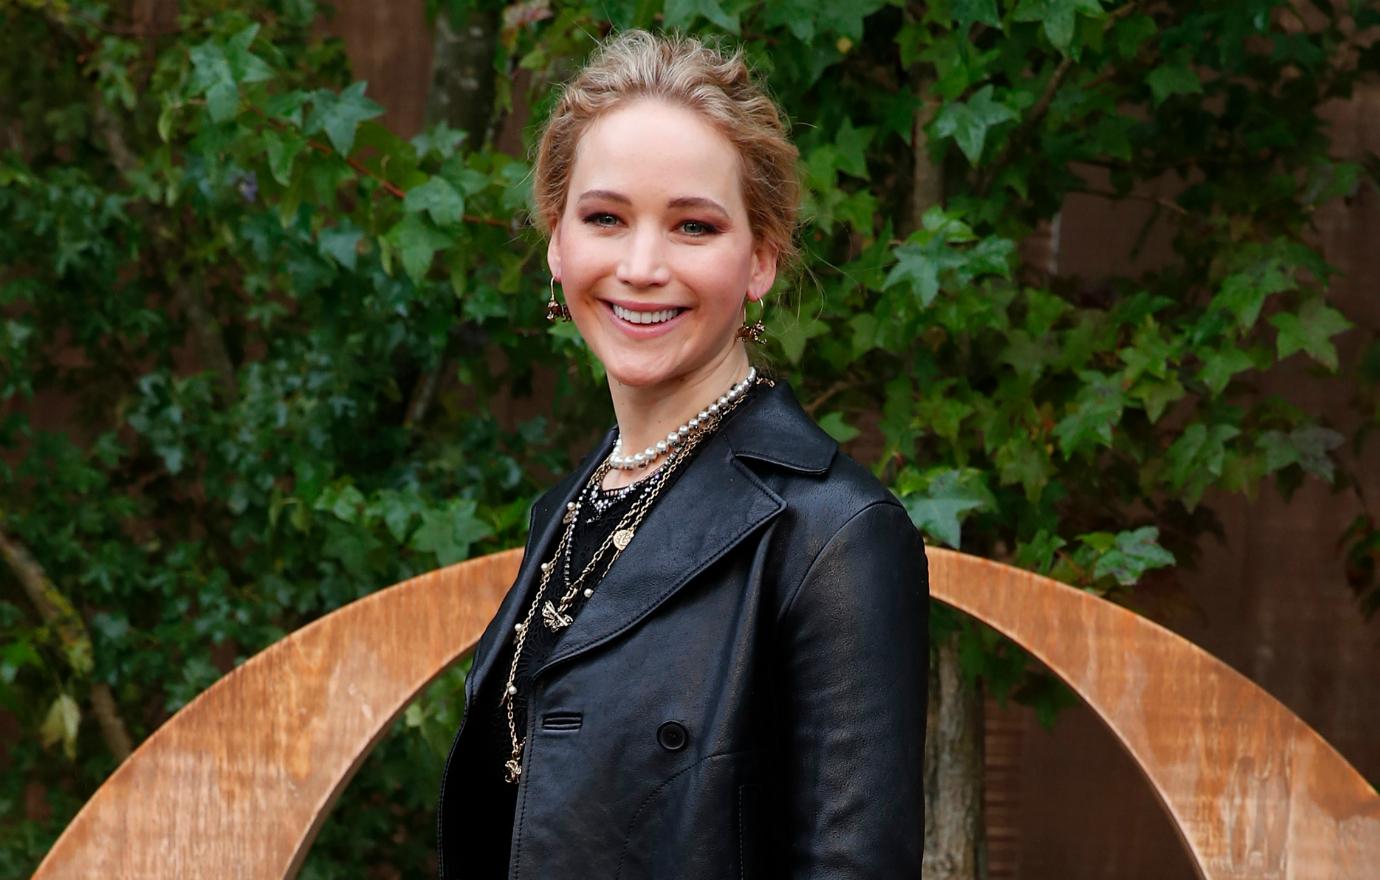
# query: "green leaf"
[[1306, 446], [851, 144], [968, 122], [417, 242], [1196, 458], [834, 425], [1057, 16], [1132, 554], [1220, 365], [682, 13], [1310, 331], [282, 149], [438, 199], [339, 115], [341, 243], [1173, 78], [1095, 411], [450, 531], [966, 12], [950, 497]]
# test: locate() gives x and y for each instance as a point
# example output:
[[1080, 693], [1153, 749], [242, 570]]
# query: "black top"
[[591, 528]]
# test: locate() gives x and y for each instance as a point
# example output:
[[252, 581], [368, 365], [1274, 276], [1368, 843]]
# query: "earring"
[[556, 311], [754, 331]]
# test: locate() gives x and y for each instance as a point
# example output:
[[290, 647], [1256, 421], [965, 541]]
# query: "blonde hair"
[[682, 71]]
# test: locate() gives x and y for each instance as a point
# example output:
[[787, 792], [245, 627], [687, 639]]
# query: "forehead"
[[650, 150]]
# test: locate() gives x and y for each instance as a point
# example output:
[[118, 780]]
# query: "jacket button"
[[671, 736]]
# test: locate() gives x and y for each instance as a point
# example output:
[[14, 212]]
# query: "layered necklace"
[[555, 615]]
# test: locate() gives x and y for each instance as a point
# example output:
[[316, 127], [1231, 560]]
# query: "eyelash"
[[707, 228]]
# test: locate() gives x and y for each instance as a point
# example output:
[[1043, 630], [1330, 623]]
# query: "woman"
[[713, 661]]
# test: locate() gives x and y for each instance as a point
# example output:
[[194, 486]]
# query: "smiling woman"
[[713, 662]]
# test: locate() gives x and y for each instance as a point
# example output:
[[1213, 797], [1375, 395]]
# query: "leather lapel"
[[546, 525], [706, 511]]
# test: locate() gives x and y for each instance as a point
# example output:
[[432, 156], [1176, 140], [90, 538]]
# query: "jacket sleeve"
[[853, 675]]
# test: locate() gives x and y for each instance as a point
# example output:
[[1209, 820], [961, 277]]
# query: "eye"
[[601, 218], [698, 228]]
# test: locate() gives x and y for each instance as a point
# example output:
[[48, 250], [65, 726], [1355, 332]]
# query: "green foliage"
[[251, 341]]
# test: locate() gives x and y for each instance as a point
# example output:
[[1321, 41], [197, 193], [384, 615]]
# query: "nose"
[[643, 263]]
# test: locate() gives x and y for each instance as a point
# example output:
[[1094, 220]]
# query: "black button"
[[672, 736]]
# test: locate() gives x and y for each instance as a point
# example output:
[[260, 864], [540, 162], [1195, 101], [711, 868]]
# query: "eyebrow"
[[678, 202]]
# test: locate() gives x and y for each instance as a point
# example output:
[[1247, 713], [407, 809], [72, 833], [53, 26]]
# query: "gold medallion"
[[622, 538]]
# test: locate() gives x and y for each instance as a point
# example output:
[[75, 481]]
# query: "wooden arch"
[[238, 782]]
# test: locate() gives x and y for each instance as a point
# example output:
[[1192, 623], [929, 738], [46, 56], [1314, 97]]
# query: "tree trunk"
[[954, 845], [954, 840]]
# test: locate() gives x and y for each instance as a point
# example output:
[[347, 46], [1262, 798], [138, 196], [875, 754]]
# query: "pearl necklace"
[[676, 437]]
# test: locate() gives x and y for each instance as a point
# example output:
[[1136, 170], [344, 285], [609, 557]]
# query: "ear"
[[763, 274], [553, 250]]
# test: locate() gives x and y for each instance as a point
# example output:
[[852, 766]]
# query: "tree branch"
[[59, 613]]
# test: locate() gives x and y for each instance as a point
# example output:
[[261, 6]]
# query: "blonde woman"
[[713, 661]]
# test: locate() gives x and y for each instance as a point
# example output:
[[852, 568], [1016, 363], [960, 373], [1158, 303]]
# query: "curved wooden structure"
[[237, 783]]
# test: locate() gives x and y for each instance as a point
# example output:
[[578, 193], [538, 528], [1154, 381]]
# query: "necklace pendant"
[[554, 620], [622, 538], [512, 770]]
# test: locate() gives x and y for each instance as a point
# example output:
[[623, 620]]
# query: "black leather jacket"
[[744, 696]]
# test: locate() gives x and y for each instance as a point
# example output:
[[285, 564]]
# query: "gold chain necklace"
[[554, 615]]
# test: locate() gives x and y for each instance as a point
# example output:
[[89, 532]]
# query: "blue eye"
[[601, 219], [698, 227]]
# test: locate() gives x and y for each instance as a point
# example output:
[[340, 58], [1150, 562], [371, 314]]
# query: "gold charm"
[[554, 619], [622, 538], [569, 516], [512, 769]]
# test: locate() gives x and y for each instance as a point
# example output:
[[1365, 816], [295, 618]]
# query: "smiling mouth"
[[658, 317]]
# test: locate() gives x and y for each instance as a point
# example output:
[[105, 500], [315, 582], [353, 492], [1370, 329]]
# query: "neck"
[[647, 414]]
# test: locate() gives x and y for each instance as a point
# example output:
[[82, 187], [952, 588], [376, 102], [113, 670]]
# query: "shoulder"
[[837, 513], [801, 462]]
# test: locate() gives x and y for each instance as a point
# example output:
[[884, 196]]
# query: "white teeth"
[[645, 317]]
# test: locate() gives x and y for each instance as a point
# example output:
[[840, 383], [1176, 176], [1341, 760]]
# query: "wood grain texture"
[[237, 783], [1253, 791]]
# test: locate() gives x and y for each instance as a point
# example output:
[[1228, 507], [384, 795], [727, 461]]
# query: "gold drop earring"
[[556, 311], [754, 331]]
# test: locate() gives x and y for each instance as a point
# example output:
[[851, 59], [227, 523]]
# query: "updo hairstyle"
[[684, 72]]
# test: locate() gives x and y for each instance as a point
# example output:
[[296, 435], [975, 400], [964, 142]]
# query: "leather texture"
[[744, 696]]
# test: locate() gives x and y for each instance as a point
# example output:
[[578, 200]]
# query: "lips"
[[638, 316]]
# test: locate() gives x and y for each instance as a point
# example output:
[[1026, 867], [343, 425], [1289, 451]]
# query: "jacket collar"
[[705, 512]]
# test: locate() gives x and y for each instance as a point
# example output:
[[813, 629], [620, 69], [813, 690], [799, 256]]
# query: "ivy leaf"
[[851, 144], [1196, 459], [339, 115], [1131, 555], [966, 12], [950, 497], [1306, 446], [450, 531], [682, 13], [1220, 365], [282, 149], [1173, 78], [1096, 409], [416, 241], [967, 122], [341, 243], [1310, 331], [1058, 17], [834, 425], [438, 199]]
